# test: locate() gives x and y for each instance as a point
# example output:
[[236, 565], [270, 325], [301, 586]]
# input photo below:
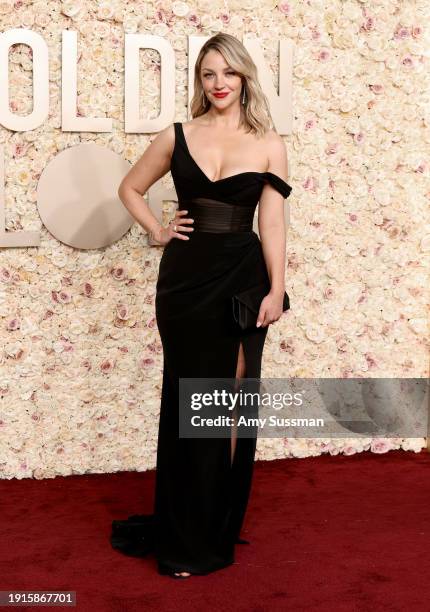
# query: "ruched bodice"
[[227, 204], [216, 216]]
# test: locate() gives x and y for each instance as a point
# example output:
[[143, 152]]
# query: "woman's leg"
[[240, 373]]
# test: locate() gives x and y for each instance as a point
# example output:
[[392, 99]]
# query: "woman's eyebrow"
[[210, 69]]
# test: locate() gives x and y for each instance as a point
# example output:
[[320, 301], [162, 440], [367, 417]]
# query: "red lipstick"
[[221, 95]]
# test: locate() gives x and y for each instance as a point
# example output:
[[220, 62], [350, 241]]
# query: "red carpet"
[[336, 533]]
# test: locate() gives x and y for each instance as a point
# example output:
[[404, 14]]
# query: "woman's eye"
[[230, 72]]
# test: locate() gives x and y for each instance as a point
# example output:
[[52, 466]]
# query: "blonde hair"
[[255, 115]]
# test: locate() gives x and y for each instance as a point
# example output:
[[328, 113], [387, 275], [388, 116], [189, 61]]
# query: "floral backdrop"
[[81, 357]]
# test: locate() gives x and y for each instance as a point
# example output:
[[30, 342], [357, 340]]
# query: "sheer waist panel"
[[215, 216]]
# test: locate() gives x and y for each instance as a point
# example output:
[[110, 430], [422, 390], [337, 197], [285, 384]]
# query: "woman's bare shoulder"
[[275, 143], [273, 139], [276, 153], [166, 135]]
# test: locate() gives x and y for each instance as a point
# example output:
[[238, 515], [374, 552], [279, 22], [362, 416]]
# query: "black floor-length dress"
[[200, 497]]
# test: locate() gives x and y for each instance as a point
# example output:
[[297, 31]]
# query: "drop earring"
[[243, 95]]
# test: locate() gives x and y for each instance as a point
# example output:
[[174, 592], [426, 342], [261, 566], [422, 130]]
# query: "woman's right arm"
[[152, 165]]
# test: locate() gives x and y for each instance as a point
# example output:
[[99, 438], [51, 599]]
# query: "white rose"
[[323, 254], [180, 9], [418, 326], [425, 243], [160, 29], [414, 444], [351, 11], [105, 10], [236, 23], [315, 333], [206, 21], [70, 9], [382, 194], [42, 20]]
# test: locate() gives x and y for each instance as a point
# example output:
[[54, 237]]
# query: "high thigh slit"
[[201, 489], [240, 374]]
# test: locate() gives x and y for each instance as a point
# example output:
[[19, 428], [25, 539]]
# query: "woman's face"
[[218, 78]]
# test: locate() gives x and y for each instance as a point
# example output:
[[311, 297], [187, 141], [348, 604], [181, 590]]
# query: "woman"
[[223, 162]]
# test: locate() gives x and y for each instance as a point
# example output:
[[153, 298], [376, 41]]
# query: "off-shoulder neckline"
[[225, 178]]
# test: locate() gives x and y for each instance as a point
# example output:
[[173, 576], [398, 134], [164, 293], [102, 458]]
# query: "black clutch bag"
[[246, 305]]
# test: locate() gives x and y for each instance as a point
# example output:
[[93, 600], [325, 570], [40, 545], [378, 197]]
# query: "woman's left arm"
[[272, 230]]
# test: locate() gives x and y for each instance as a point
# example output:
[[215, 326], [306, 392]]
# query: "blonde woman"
[[219, 287]]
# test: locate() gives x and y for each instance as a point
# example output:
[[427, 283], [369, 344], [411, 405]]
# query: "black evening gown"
[[200, 497]]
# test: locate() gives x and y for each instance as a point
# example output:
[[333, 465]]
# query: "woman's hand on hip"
[[177, 225]]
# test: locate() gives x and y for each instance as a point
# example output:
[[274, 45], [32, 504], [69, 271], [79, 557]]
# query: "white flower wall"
[[81, 357]]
